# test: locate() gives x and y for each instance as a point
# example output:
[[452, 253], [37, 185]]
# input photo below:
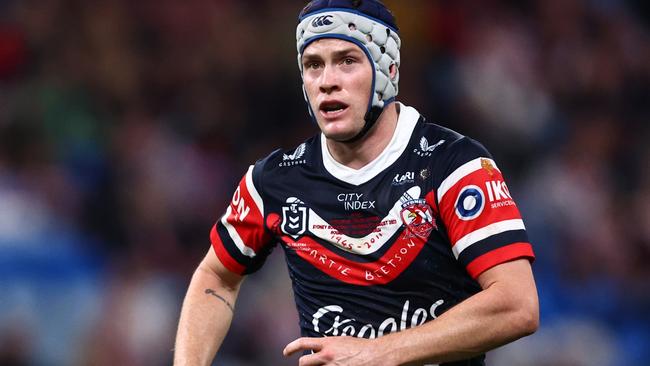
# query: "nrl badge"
[[294, 217]]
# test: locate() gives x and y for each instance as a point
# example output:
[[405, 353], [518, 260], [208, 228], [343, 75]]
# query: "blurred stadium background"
[[125, 125]]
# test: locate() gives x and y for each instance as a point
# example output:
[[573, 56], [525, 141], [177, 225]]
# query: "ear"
[[393, 71]]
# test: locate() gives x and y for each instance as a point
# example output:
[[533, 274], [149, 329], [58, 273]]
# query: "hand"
[[339, 351]]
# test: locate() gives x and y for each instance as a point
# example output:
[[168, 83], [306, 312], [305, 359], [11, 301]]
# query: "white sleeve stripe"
[[461, 172], [234, 235], [253, 191], [485, 232]]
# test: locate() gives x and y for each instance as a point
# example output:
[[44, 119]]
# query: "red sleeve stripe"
[[234, 235], [498, 256], [431, 200], [222, 253], [244, 220], [459, 229], [253, 191], [485, 232], [462, 171]]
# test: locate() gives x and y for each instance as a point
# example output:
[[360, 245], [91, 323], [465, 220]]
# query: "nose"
[[329, 80]]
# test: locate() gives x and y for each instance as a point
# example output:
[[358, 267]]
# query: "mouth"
[[332, 109]]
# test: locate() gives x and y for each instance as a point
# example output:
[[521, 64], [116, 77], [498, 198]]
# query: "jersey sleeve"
[[239, 237], [482, 220]]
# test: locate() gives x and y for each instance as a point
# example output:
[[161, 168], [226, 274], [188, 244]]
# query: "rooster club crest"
[[416, 215], [294, 217]]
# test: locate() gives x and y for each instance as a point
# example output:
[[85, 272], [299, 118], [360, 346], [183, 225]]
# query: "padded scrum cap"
[[373, 9], [368, 24]]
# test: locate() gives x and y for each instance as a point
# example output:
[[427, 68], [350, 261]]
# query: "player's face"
[[338, 77]]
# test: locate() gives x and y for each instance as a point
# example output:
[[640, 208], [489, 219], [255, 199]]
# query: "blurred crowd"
[[125, 125]]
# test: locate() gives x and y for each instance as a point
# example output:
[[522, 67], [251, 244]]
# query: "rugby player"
[[403, 242]]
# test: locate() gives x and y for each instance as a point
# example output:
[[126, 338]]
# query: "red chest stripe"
[[384, 270]]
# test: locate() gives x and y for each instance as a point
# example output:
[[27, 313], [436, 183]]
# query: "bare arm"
[[207, 312], [505, 310]]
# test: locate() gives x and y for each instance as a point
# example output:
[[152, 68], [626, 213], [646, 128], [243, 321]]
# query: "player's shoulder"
[[453, 150], [281, 160], [452, 144]]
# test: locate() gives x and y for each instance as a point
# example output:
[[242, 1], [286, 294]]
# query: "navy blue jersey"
[[383, 248]]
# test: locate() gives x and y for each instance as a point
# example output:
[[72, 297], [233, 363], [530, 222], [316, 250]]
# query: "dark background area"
[[125, 125]]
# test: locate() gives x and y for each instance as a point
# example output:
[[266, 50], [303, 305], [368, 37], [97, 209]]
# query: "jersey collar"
[[406, 122]]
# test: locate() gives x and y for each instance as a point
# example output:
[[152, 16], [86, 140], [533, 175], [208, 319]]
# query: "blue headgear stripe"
[[326, 10]]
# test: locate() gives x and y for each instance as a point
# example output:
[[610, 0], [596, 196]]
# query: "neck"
[[357, 154]]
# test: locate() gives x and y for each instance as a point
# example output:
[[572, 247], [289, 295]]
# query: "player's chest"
[[322, 206], [364, 235]]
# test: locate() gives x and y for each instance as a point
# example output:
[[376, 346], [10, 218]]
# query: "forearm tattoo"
[[213, 293]]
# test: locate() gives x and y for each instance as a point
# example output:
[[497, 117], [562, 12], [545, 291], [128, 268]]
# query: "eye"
[[312, 65], [349, 61]]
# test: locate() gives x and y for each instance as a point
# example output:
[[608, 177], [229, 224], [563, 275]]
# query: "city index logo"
[[321, 21]]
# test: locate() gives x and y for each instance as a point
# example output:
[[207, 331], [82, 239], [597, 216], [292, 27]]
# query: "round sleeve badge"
[[470, 202]]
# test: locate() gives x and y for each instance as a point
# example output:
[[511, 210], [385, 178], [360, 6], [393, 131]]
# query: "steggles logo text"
[[344, 326]]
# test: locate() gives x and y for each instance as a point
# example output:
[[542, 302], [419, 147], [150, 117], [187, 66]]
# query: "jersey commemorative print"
[[380, 249]]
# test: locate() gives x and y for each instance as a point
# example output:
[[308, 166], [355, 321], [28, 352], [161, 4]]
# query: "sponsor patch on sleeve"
[[481, 217]]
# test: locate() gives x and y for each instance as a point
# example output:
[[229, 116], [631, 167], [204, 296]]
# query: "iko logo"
[[294, 158], [498, 194], [426, 150], [321, 21], [497, 190]]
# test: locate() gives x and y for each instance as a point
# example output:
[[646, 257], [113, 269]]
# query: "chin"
[[337, 131], [337, 134], [339, 137]]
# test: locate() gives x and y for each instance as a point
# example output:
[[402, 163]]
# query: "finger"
[[302, 344], [314, 359]]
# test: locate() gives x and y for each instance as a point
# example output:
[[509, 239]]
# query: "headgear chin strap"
[[369, 25]]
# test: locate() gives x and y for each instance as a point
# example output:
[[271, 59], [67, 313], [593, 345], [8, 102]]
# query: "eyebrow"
[[337, 54]]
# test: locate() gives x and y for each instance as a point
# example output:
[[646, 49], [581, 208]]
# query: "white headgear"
[[376, 37]]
